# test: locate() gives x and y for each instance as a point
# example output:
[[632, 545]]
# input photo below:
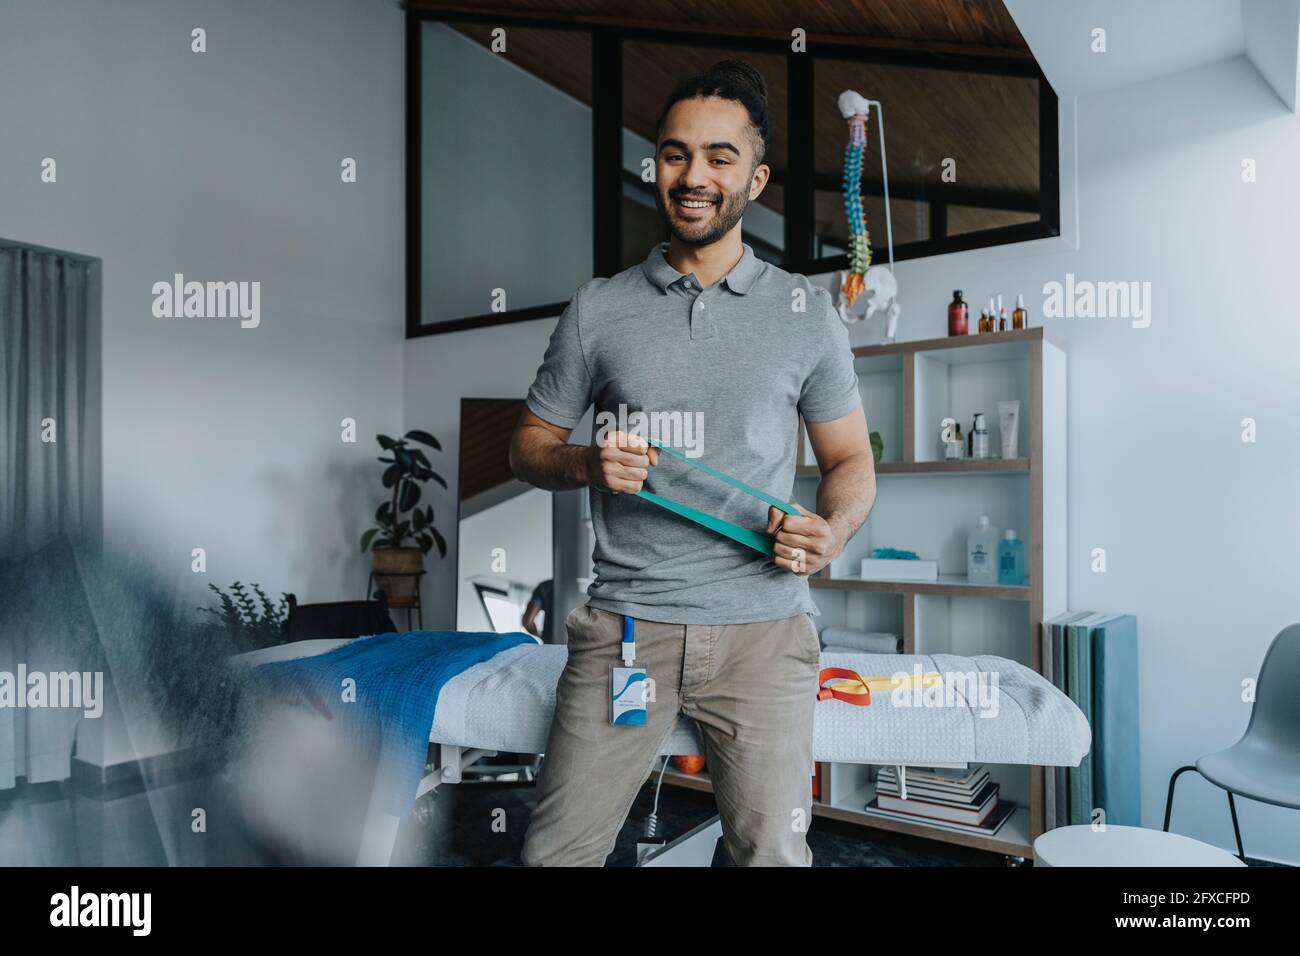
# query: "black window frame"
[[607, 130]]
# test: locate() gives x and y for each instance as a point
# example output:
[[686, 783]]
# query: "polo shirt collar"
[[738, 280]]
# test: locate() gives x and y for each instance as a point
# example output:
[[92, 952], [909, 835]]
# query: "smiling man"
[[700, 329]]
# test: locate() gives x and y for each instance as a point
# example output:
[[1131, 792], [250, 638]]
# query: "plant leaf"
[[385, 442], [367, 538], [438, 478], [442, 542], [424, 438], [391, 474], [409, 496]]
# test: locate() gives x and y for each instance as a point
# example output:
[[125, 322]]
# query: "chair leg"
[[1169, 801], [1236, 830]]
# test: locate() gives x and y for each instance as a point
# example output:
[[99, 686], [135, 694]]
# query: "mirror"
[[506, 538]]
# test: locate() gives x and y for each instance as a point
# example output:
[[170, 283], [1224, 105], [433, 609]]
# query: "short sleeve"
[[561, 392], [831, 388]]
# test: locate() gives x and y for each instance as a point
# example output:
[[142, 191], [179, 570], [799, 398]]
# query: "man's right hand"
[[620, 462]]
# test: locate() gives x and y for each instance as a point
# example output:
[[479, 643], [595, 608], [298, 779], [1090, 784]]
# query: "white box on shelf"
[[843, 567], [899, 569]]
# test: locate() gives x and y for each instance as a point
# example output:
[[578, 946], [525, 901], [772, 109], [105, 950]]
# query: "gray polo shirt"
[[722, 375]]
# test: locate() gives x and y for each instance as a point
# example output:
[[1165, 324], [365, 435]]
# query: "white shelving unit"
[[927, 505]]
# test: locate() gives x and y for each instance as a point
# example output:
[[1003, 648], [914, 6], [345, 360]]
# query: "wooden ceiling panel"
[[972, 26], [560, 57], [987, 123]]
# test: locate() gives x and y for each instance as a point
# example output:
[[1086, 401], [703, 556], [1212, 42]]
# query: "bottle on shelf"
[[979, 437], [1019, 317], [1003, 325], [958, 315], [981, 551], [984, 321], [952, 450], [1011, 559], [992, 316]]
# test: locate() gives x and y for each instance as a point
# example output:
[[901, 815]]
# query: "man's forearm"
[[545, 461], [845, 496]]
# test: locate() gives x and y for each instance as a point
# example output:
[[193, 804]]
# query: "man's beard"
[[729, 211]]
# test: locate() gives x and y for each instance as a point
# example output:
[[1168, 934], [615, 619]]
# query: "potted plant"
[[398, 565], [249, 623]]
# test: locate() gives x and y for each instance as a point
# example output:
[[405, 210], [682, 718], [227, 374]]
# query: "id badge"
[[629, 693]]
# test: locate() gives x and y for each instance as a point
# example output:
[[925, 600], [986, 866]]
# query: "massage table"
[[505, 704]]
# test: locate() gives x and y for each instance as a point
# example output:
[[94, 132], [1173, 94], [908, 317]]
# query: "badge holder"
[[628, 688]]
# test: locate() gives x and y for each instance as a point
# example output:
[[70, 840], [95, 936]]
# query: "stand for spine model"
[[860, 277]]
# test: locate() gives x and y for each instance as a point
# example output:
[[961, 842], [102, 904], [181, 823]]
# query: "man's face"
[[702, 170]]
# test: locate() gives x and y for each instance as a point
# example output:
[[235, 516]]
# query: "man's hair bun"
[[738, 71], [728, 80]]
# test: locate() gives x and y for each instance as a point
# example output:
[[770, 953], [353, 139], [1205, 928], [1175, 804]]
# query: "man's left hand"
[[805, 543]]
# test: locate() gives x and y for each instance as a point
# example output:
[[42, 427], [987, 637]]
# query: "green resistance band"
[[761, 543]]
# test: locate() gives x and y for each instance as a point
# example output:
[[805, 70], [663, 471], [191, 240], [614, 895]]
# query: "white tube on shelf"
[[1009, 420]]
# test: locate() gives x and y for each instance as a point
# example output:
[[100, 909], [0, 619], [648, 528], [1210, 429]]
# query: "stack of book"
[[1092, 657], [964, 799]]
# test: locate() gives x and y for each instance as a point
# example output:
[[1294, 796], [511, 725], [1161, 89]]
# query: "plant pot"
[[397, 574]]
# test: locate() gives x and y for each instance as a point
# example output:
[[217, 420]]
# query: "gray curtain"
[[44, 343], [48, 490]]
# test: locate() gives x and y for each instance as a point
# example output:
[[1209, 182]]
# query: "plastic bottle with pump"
[[979, 437], [981, 553]]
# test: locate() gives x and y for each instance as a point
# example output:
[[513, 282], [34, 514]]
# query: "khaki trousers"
[[752, 690]]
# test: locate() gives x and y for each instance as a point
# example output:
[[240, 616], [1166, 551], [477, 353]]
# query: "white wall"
[[496, 362], [1094, 45], [225, 165], [1199, 528]]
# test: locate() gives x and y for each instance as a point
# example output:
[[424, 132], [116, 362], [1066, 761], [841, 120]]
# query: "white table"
[[1080, 845]]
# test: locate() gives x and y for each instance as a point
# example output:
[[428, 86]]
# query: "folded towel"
[[863, 642]]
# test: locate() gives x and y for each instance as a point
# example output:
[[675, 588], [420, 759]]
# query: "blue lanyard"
[[629, 639]]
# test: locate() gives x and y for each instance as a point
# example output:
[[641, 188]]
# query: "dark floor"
[[470, 824], [468, 840]]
